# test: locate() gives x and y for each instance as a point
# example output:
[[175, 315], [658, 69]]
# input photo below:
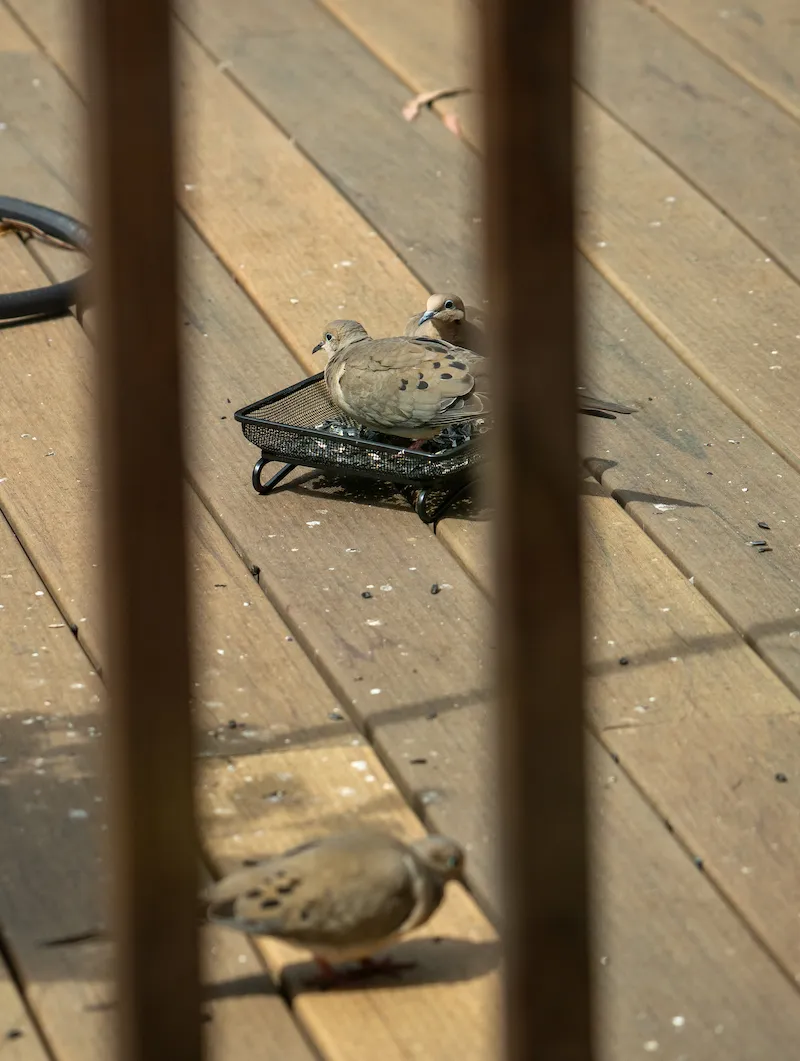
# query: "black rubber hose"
[[56, 298]]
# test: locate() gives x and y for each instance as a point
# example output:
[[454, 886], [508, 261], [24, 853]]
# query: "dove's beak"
[[426, 317], [318, 347]]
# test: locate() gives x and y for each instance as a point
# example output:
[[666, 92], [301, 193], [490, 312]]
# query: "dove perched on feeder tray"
[[446, 317], [403, 386], [344, 897]]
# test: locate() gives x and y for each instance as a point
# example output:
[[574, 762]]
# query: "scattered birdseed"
[[418, 762], [781, 778], [435, 588], [77, 814], [366, 595], [336, 716], [624, 661], [374, 692], [765, 549], [374, 622], [763, 525], [651, 1046], [359, 764], [678, 1021], [276, 796], [698, 862], [757, 541], [14, 1033]]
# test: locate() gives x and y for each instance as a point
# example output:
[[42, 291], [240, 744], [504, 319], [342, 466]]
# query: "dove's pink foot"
[[418, 444], [374, 967], [328, 975]]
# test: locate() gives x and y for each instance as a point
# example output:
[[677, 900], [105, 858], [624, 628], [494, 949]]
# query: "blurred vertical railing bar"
[[528, 132], [128, 50]]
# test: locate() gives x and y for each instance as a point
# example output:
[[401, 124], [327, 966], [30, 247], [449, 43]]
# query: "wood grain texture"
[[688, 450], [693, 1012], [714, 128], [758, 40], [368, 158], [279, 711], [455, 982], [725, 307], [54, 864], [694, 716], [231, 323], [21, 1040], [429, 47], [424, 652], [226, 691]]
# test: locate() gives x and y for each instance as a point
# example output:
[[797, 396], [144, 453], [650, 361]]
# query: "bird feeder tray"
[[300, 427]]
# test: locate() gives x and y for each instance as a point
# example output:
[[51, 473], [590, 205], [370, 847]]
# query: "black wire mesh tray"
[[295, 426]]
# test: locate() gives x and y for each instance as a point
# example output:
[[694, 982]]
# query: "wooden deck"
[[306, 196]]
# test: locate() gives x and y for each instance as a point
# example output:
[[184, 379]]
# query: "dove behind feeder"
[[446, 317]]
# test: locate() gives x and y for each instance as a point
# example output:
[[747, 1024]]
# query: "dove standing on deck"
[[403, 386], [343, 898], [446, 317]]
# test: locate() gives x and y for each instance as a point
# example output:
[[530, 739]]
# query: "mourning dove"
[[403, 385], [344, 897], [446, 317]]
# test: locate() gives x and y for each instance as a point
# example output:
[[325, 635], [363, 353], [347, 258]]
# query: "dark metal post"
[[128, 47], [528, 133]]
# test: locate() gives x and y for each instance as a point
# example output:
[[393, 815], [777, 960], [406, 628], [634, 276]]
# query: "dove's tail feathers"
[[600, 407]]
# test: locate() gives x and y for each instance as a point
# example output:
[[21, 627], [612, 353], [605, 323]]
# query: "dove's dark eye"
[[328, 337], [449, 304]]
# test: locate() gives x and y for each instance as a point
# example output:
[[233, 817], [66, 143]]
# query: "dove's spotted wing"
[[407, 383], [332, 894]]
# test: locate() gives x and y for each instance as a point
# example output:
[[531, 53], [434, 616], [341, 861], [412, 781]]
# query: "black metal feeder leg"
[[448, 503], [270, 484], [441, 510]]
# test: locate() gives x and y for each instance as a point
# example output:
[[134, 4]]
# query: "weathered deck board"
[[717, 529], [635, 856], [21, 1040], [311, 573], [429, 228], [230, 315], [283, 716], [52, 865], [428, 48], [759, 40], [243, 40], [729, 311], [685, 267], [292, 716], [740, 149], [674, 901]]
